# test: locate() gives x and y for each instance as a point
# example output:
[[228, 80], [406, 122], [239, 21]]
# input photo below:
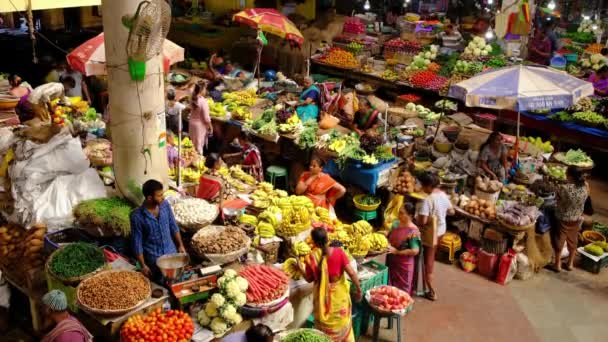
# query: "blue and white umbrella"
[[522, 88]]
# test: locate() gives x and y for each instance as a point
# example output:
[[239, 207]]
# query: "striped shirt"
[[151, 236], [452, 41]]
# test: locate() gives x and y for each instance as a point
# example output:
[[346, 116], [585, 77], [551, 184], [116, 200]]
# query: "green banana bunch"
[[250, 219]]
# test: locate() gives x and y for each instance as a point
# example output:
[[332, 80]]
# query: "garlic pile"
[[193, 211]]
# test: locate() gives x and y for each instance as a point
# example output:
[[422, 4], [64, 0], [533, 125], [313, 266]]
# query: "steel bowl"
[[172, 265]]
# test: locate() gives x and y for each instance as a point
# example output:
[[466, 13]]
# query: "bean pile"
[[77, 259], [114, 290], [229, 240], [305, 335]]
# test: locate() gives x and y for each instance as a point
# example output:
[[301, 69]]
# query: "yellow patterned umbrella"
[[271, 21]]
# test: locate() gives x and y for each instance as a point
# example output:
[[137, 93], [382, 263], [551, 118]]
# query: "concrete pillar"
[[137, 118]]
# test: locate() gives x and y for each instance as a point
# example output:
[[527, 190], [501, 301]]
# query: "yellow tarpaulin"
[[21, 5]]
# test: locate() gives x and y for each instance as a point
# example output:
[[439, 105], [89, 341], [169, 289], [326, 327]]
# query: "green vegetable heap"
[[308, 138], [112, 213], [305, 335], [589, 117], [369, 200], [562, 116], [76, 259], [576, 158]]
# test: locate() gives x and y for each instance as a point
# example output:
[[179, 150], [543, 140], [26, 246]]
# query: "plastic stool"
[[377, 316], [274, 172], [366, 215], [450, 243]]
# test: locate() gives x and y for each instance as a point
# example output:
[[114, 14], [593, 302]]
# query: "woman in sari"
[[21, 90], [539, 49], [325, 267], [599, 79], [67, 328], [404, 247], [200, 120], [322, 190], [308, 106], [366, 118], [252, 159]]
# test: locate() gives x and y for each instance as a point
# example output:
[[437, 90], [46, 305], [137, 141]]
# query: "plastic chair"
[[274, 172], [377, 316]]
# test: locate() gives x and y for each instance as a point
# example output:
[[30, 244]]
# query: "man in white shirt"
[[451, 38], [173, 110], [80, 88], [40, 98]]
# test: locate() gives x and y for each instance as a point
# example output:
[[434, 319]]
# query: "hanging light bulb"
[[490, 2], [586, 17], [406, 3], [551, 5], [366, 6], [489, 34]]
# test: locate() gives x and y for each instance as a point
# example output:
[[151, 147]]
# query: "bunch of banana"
[[301, 248], [260, 199], [341, 236], [243, 98], [224, 171], [295, 220], [265, 187], [280, 193], [360, 248], [265, 229], [360, 228], [271, 215], [249, 219], [199, 164], [238, 173], [290, 267], [323, 215], [378, 242]]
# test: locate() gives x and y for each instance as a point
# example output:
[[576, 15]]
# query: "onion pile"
[[194, 211]]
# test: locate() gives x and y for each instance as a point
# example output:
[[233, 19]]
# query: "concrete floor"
[[549, 307]]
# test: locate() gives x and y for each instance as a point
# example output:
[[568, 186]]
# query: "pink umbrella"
[[90, 57]]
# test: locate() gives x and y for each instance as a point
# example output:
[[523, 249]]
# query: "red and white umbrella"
[[90, 57]]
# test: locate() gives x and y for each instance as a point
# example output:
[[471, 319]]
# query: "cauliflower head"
[[240, 299], [232, 289], [203, 319], [211, 309], [242, 283], [218, 326], [234, 318], [229, 273], [218, 300], [228, 310]]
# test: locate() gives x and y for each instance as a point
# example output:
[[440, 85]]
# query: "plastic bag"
[[486, 264], [507, 268], [524, 271], [468, 261]]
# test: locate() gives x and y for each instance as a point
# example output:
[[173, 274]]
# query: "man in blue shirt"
[[154, 231]]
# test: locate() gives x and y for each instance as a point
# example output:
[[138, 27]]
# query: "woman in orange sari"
[[322, 190], [325, 267]]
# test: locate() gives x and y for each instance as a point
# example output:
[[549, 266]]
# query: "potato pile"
[[405, 183], [228, 240], [21, 246], [479, 207]]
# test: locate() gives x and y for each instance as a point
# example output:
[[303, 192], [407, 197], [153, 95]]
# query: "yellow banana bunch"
[[323, 215], [290, 267], [265, 187], [301, 248], [238, 173], [270, 215], [280, 193], [340, 235], [223, 171], [378, 242], [361, 228], [250, 219], [265, 230]]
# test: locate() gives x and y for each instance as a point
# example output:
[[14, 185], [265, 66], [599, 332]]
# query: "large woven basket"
[[68, 281], [195, 227], [220, 259], [111, 313], [516, 228]]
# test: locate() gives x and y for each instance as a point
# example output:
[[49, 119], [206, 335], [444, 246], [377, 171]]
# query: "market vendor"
[[172, 151], [539, 49], [40, 98], [209, 185], [67, 328], [493, 158], [252, 158], [154, 231], [451, 38], [21, 90], [327, 267], [366, 118], [308, 106], [599, 79], [322, 190], [404, 250], [216, 66]]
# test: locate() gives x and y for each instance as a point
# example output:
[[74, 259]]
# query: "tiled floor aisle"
[[565, 307]]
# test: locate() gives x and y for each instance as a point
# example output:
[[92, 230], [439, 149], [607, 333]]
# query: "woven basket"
[[221, 259], [111, 313], [495, 247], [516, 228], [270, 252], [69, 281], [488, 196]]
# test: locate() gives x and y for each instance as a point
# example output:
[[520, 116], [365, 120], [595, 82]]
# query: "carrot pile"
[[265, 283]]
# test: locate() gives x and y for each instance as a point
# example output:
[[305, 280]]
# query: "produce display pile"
[[597, 248], [478, 207], [266, 283], [574, 157], [169, 326], [222, 311], [21, 247], [340, 58], [545, 146], [305, 335], [406, 183], [111, 214], [193, 211], [76, 259], [517, 214], [556, 172], [114, 290], [227, 240], [478, 47], [389, 298], [486, 184], [263, 195]]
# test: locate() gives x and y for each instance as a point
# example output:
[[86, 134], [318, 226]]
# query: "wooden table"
[[33, 292]]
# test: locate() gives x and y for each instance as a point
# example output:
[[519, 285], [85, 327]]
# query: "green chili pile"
[[305, 335], [77, 259]]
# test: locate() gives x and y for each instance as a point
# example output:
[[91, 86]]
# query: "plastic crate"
[[381, 277], [357, 320], [54, 240]]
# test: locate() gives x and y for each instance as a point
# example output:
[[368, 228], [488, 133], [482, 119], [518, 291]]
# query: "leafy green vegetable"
[[561, 116], [384, 152], [77, 259], [589, 117], [267, 116], [113, 213], [600, 228], [581, 37], [308, 138]]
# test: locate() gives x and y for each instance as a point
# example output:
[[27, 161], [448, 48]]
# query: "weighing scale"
[[195, 285]]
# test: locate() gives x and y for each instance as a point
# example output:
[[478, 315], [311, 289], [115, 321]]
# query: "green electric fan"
[[148, 28]]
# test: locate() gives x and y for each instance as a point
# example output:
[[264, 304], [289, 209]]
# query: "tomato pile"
[[388, 298], [400, 45], [428, 80], [410, 98], [340, 58], [158, 326]]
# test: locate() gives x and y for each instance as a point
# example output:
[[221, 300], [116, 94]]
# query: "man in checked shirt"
[[154, 231]]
